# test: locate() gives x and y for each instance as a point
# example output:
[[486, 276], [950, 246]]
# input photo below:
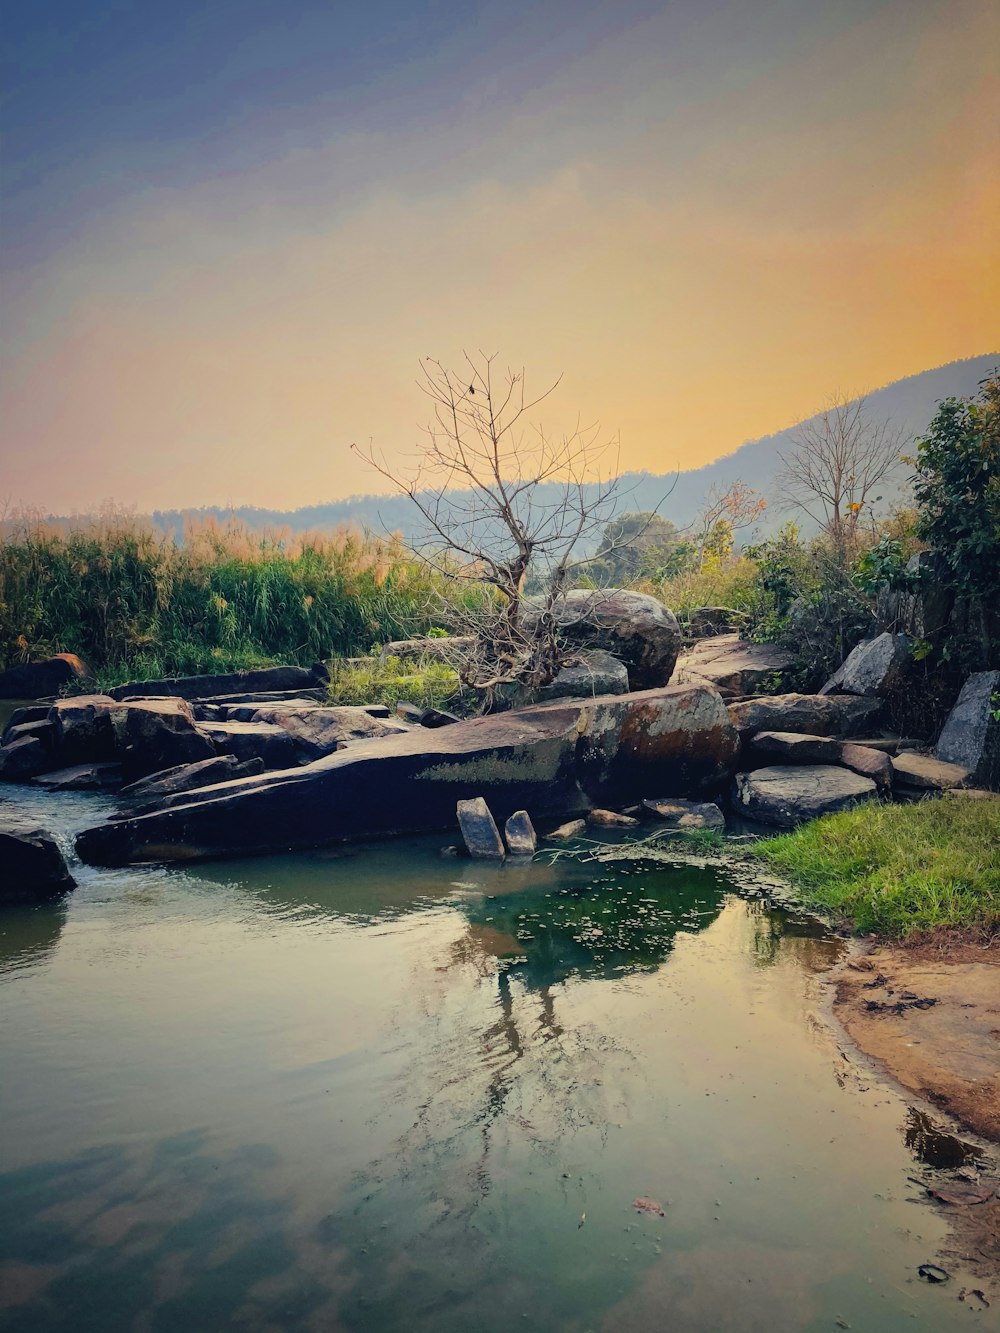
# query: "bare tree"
[[724, 513], [500, 497], [834, 466]]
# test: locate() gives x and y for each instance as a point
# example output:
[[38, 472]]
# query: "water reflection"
[[29, 935]]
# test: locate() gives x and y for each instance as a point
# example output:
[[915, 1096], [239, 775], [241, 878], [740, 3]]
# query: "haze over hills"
[[908, 403]]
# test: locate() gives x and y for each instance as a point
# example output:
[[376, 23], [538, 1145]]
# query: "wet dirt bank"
[[929, 1015]]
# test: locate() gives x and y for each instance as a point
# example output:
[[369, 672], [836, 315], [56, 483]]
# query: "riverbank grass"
[[899, 870]]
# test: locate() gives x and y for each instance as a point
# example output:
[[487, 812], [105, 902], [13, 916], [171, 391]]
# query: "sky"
[[231, 229]]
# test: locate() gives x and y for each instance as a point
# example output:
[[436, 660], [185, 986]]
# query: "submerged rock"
[[554, 760], [479, 831], [565, 832], [610, 819], [788, 796], [679, 814]]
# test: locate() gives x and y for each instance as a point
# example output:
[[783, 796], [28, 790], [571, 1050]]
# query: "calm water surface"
[[382, 1090]]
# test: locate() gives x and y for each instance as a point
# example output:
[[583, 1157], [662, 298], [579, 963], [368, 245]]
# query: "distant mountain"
[[908, 403]]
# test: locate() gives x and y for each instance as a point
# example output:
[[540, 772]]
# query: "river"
[[379, 1089]]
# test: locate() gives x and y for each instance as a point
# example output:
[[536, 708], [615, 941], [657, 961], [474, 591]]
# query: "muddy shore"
[[929, 1016]]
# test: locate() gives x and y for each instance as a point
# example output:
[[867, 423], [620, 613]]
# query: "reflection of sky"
[[235, 226], [229, 1103]]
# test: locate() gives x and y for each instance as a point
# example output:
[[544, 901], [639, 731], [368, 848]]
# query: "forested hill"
[[909, 403]]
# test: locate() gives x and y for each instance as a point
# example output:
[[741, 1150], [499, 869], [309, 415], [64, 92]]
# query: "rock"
[[319, 731], [83, 727], [258, 698], [23, 759], [479, 830], [33, 713], [566, 831], [632, 626], [610, 819], [410, 713], [283, 678], [734, 666], [438, 717], [927, 774], [441, 648], [869, 763], [43, 731], [793, 747], [556, 760], [924, 613], [252, 740], [31, 865], [971, 735], [706, 622], [37, 680], [184, 777], [81, 777], [787, 796], [813, 714], [679, 814], [586, 675], [520, 834], [875, 667], [153, 734]]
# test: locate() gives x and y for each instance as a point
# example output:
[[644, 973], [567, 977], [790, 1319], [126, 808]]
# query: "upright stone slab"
[[479, 830], [520, 834], [874, 668], [971, 735]]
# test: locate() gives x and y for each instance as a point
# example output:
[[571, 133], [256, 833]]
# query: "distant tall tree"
[[834, 466], [634, 546], [723, 514]]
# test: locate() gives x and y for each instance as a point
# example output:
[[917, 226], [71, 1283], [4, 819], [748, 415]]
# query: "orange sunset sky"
[[229, 237]]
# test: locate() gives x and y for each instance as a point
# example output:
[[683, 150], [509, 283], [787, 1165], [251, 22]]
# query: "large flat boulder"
[[553, 760], [632, 626], [31, 865], [814, 714], [733, 665], [38, 680], [787, 796], [971, 735], [319, 731], [875, 667], [677, 813], [183, 777], [227, 683]]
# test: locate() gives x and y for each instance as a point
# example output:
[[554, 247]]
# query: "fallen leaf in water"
[[583, 1218], [649, 1206]]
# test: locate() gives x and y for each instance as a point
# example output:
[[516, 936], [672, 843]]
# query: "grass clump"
[[899, 870], [426, 682]]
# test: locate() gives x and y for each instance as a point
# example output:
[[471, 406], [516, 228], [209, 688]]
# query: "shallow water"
[[382, 1090]]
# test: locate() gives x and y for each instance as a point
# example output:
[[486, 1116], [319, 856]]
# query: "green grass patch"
[[899, 869], [428, 683]]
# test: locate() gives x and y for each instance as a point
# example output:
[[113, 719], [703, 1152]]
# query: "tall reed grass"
[[133, 602]]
